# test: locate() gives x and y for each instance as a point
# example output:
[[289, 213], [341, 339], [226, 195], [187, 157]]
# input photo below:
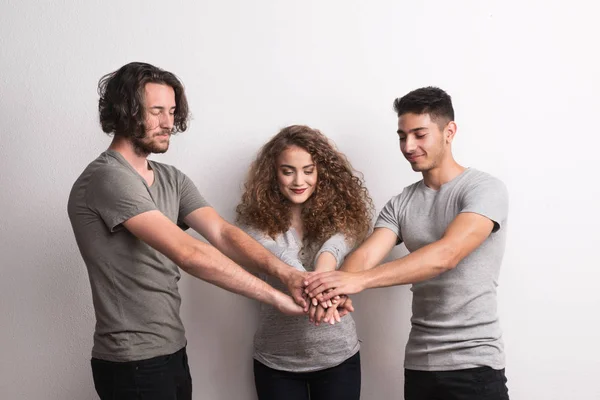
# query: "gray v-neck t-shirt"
[[291, 343], [134, 287], [455, 320]]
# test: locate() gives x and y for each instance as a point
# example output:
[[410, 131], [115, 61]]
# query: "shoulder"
[[406, 193], [475, 180]]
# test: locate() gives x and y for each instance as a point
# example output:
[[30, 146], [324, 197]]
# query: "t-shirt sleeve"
[[389, 217], [337, 246], [489, 198], [117, 195], [190, 199]]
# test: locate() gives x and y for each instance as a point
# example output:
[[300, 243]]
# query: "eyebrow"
[[290, 167], [161, 108], [412, 130]]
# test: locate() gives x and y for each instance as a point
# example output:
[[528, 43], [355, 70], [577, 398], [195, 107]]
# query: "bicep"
[[207, 222], [465, 233], [378, 245], [159, 232]]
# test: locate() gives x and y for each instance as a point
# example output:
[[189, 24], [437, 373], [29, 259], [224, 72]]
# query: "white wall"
[[523, 76]]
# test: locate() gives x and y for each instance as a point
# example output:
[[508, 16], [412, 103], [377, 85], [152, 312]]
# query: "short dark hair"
[[121, 104], [427, 100]]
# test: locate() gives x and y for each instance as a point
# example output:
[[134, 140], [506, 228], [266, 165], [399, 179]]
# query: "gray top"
[[455, 322], [134, 287], [291, 343]]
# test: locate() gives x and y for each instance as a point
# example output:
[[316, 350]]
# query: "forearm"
[[325, 262], [246, 251], [425, 263], [357, 262], [209, 264]]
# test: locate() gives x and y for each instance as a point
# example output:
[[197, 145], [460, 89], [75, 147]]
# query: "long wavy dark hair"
[[339, 204], [121, 104]]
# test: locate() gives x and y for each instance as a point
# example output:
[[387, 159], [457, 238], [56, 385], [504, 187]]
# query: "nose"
[[167, 120], [409, 144], [298, 180]]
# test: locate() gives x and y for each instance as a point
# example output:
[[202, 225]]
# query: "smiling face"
[[159, 108], [422, 142], [296, 174]]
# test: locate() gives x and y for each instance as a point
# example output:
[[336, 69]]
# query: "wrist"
[[272, 297], [365, 280]]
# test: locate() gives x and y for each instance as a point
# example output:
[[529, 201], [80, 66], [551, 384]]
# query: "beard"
[[147, 145]]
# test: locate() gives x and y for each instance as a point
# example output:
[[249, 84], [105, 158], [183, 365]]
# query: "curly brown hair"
[[339, 204]]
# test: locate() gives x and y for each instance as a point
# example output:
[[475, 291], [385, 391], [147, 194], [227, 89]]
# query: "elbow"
[[188, 259], [448, 257]]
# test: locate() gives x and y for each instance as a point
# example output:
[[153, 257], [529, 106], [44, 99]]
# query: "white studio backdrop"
[[523, 76]]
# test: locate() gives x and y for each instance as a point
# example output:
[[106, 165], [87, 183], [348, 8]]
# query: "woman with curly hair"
[[304, 202]]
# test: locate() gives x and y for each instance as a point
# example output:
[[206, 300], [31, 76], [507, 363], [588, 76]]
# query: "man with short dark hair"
[[453, 222], [128, 215]]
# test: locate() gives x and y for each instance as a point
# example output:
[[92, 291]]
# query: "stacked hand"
[[328, 293], [323, 295], [330, 311]]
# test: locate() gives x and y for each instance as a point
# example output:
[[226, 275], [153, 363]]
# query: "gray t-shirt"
[[291, 343], [455, 322], [134, 287]]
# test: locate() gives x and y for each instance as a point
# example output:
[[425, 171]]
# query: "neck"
[[443, 173], [125, 147], [296, 219]]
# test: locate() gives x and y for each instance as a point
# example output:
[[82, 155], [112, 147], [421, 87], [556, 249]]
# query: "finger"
[[332, 294], [348, 308], [314, 276], [300, 299], [319, 298], [322, 288], [323, 280], [336, 314], [311, 314], [319, 315], [330, 316]]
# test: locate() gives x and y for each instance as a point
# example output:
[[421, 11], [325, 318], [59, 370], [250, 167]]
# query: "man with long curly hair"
[[453, 222], [128, 215]]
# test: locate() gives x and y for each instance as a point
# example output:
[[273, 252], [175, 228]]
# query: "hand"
[[317, 312], [324, 303], [333, 313], [286, 305], [344, 306], [294, 281], [341, 282]]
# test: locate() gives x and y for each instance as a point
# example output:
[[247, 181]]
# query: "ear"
[[450, 131]]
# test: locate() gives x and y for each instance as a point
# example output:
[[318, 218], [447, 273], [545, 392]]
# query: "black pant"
[[337, 383], [164, 377], [483, 383]]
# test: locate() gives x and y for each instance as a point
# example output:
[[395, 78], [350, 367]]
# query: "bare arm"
[[244, 250], [371, 252], [204, 261], [463, 235]]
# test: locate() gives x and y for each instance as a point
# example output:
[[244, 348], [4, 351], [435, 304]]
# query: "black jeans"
[[341, 382], [164, 377], [483, 383]]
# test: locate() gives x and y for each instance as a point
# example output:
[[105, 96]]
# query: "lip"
[[413, 158], [298, 191]]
